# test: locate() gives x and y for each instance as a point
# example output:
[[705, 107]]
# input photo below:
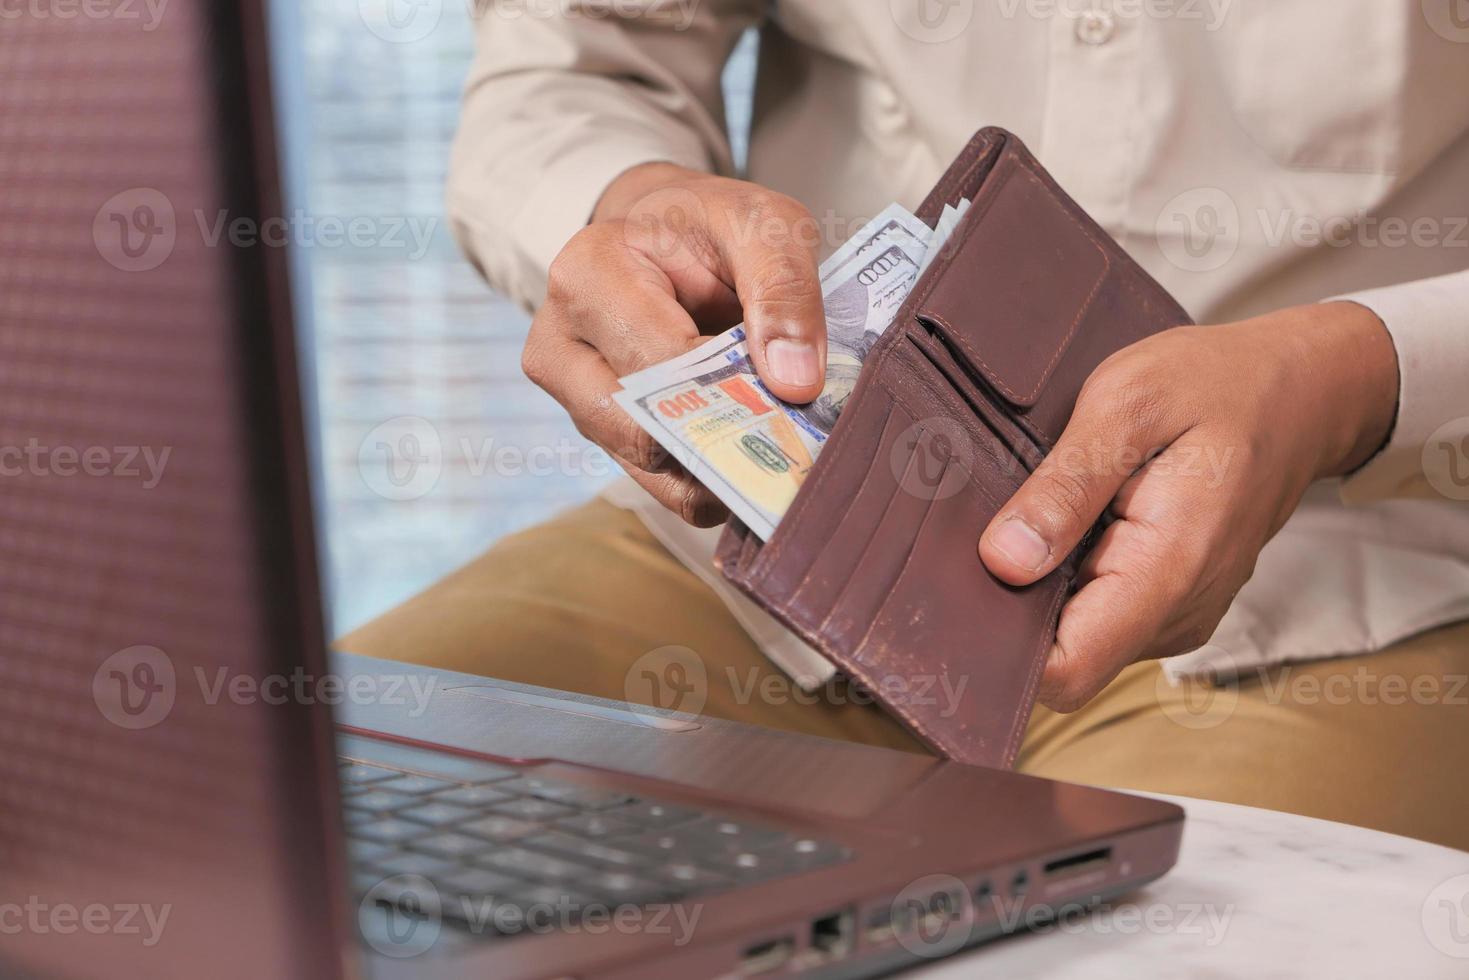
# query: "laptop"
[[190, 785]]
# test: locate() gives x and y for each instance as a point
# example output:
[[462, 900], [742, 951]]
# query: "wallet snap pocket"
[[1021, 282]]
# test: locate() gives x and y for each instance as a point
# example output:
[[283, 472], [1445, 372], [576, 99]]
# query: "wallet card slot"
[[816, 516], [887, 551], [840, 557], [972, 645]]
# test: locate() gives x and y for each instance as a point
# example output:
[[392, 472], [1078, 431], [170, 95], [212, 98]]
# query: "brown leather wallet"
[[875, 562]]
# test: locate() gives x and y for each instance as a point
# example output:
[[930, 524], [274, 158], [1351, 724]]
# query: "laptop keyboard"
[[511, 838]]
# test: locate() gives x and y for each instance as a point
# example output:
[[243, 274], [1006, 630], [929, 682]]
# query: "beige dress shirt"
[[1251, 154]]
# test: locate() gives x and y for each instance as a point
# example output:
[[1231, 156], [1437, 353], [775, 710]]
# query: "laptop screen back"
[[166, 780]]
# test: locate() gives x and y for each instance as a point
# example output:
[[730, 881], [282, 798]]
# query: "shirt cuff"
[[1427, 454], [558, 206]]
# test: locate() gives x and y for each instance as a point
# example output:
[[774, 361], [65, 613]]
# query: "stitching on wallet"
[[795, 518], [913, 546], [882, 434], [1038, 664], [938, 395], [1065, 341]]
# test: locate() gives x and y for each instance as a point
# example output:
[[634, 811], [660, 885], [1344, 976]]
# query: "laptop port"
[[766, 957], [892, 918], [1073, 863], [879, 925], [831, 935]]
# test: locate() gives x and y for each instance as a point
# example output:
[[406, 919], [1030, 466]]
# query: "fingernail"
[[792, 363], [1020, 543]]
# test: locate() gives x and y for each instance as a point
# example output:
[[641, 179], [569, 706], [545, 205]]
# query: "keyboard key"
[[621, 888], [438, 814], [532, 864], [657, 814], [746, 865], [597, 825], [533, 809], [690, 877], [663, 845], [806, 852], [388, 830], [585, 797], [449, 845], [361, 774], [734, 833], [497, 828], [553, 895], [362, 851], [475, 796], [478, 882], [594, 851], [409, 863], [378, 799], [410, 783]]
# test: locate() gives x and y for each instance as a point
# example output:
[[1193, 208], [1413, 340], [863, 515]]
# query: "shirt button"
[[1095, 27]]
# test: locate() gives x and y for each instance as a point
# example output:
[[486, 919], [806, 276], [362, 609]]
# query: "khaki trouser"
[[578, 603]]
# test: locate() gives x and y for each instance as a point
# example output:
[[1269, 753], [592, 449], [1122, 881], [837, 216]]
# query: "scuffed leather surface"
[[875, 563]]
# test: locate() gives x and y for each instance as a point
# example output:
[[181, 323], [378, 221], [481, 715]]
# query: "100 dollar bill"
[[709, 409]]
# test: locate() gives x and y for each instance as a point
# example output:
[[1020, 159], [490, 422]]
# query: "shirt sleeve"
[[1427, 453], [560, 102]]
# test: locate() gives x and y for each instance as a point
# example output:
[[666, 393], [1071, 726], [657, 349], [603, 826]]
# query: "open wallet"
[[875, 563]]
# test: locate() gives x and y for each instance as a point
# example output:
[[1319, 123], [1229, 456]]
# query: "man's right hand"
[[671, 255]]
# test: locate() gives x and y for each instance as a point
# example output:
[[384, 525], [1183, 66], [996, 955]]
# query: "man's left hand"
[[1200, 442]]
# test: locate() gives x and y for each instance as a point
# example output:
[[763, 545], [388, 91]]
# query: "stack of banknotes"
[[708, 408]]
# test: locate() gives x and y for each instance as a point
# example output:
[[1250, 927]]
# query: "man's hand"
[[1200, 442], [672, 254]]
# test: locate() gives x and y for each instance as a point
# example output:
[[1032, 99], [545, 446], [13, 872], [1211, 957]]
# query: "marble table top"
[[1260, 894]]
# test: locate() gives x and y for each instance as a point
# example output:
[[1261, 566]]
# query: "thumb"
[[1056, 506], [776, 279]]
